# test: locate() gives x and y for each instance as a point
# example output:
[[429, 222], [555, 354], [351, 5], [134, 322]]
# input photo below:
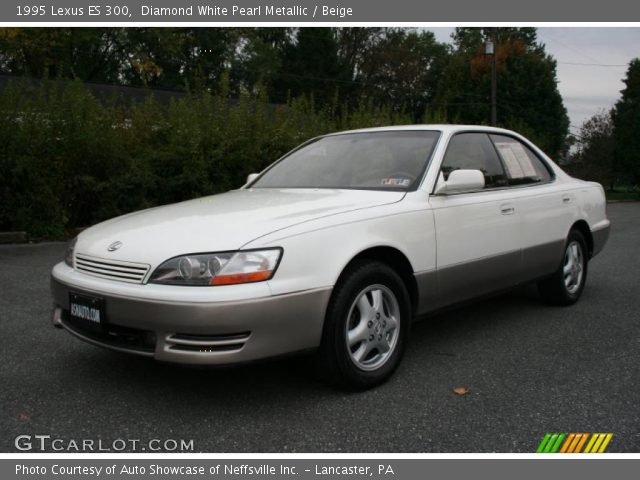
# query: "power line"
[[567, 46], [592, 64], [554, 39]]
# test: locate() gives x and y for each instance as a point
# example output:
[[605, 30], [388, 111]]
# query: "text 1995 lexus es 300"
[[336, 247]]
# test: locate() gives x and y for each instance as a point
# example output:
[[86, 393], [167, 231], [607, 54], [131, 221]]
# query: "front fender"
[[316, 256]]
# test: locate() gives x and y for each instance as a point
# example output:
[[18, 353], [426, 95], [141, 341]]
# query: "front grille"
[[112, 335], [112, 269], [188, 342]]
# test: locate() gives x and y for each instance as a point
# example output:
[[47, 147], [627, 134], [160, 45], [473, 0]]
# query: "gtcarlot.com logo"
[[47, 443], [574, 442]]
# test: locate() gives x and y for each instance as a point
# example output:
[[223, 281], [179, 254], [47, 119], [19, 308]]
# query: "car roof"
[[447, 128]]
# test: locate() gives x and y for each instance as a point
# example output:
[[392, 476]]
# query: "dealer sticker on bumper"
[[85, 308]]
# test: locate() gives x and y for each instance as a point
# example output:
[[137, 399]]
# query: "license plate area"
[[87, 312]]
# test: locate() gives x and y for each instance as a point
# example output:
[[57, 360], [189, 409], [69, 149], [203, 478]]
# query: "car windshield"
[[393, 160]]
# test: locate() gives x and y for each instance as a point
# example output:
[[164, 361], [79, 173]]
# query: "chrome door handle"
[[506, 210]]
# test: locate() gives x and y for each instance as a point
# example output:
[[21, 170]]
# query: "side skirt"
[[445, 287]]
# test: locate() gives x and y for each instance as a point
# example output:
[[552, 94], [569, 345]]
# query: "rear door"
[[478, 233]]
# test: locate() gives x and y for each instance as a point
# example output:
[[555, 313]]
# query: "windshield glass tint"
[[377, 160]]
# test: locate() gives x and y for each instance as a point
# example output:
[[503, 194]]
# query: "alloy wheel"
[[373, 327], [573, 267]]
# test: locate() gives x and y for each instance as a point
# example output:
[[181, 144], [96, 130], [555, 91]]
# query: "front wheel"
[[567, 283], [366, 326]]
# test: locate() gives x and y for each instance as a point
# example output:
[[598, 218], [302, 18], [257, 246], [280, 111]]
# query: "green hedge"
[[70, 160]]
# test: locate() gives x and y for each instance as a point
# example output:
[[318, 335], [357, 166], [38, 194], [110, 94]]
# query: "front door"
[[478, 233]]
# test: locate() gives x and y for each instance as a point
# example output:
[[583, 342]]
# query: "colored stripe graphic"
[[598, 443], [567, 443], [574, 442], [556, 445], [578, 437], [543, 443], [604, 445], [581, 443], [594, 437], [550, 443]]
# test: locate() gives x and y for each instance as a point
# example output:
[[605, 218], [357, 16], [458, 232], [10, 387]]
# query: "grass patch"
[[622, 195]]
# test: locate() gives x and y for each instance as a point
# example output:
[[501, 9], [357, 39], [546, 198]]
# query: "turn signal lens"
[[241, 278], [248, 266]]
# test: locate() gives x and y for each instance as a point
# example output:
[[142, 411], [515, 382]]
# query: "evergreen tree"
[[402, 71], [626, 124], [310, 66], [528, 99]]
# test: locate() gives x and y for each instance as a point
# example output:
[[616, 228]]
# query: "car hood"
[[219, 222]]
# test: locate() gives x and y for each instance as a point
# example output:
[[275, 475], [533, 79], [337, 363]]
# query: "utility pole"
[[491, 48]]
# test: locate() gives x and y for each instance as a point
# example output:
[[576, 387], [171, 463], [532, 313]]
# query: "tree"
[[402, 70], [156, 57], [258, 57], [310, 66], [594, 156], [88, 54], [528, 97], [355, 45], [177, 57], [468, 39], [626, 125]]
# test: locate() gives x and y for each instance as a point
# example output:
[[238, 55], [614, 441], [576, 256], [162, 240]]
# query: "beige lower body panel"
[[450, 285]]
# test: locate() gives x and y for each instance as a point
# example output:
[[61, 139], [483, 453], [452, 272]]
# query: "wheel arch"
[[395, 259], [583, 227]]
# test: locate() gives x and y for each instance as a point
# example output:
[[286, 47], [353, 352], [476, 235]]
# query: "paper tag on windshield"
[[396, 182]]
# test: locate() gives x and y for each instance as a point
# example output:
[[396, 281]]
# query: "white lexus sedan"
[[334, 248]]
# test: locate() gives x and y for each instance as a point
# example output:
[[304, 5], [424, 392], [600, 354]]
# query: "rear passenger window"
[[474, 151], [522, 165]]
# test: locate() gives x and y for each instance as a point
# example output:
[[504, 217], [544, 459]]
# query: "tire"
[[366, 327], [565, 286]]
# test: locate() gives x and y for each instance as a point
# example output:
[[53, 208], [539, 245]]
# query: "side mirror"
[[251, 177], [460, 181]]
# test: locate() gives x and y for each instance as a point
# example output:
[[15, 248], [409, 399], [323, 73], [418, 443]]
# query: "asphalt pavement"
[[529, 369]]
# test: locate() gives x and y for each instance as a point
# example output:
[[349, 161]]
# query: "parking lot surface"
[[529, 368]]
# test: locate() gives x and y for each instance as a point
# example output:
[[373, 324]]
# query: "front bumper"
[[223, 332]]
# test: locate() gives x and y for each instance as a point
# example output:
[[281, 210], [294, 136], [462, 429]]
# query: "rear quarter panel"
[[593, 205]]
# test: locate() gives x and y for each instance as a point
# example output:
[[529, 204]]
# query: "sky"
[[585, 89]]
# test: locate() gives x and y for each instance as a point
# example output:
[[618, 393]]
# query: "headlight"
[[227, 268], [71, 246]]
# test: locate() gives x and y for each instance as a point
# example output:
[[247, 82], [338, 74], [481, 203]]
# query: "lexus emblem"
[[114, 246]]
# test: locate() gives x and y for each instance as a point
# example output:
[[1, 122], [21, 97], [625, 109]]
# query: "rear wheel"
[[366, 326], [567, 283]]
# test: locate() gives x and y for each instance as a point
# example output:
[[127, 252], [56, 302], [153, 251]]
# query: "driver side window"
[[474, 151]]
